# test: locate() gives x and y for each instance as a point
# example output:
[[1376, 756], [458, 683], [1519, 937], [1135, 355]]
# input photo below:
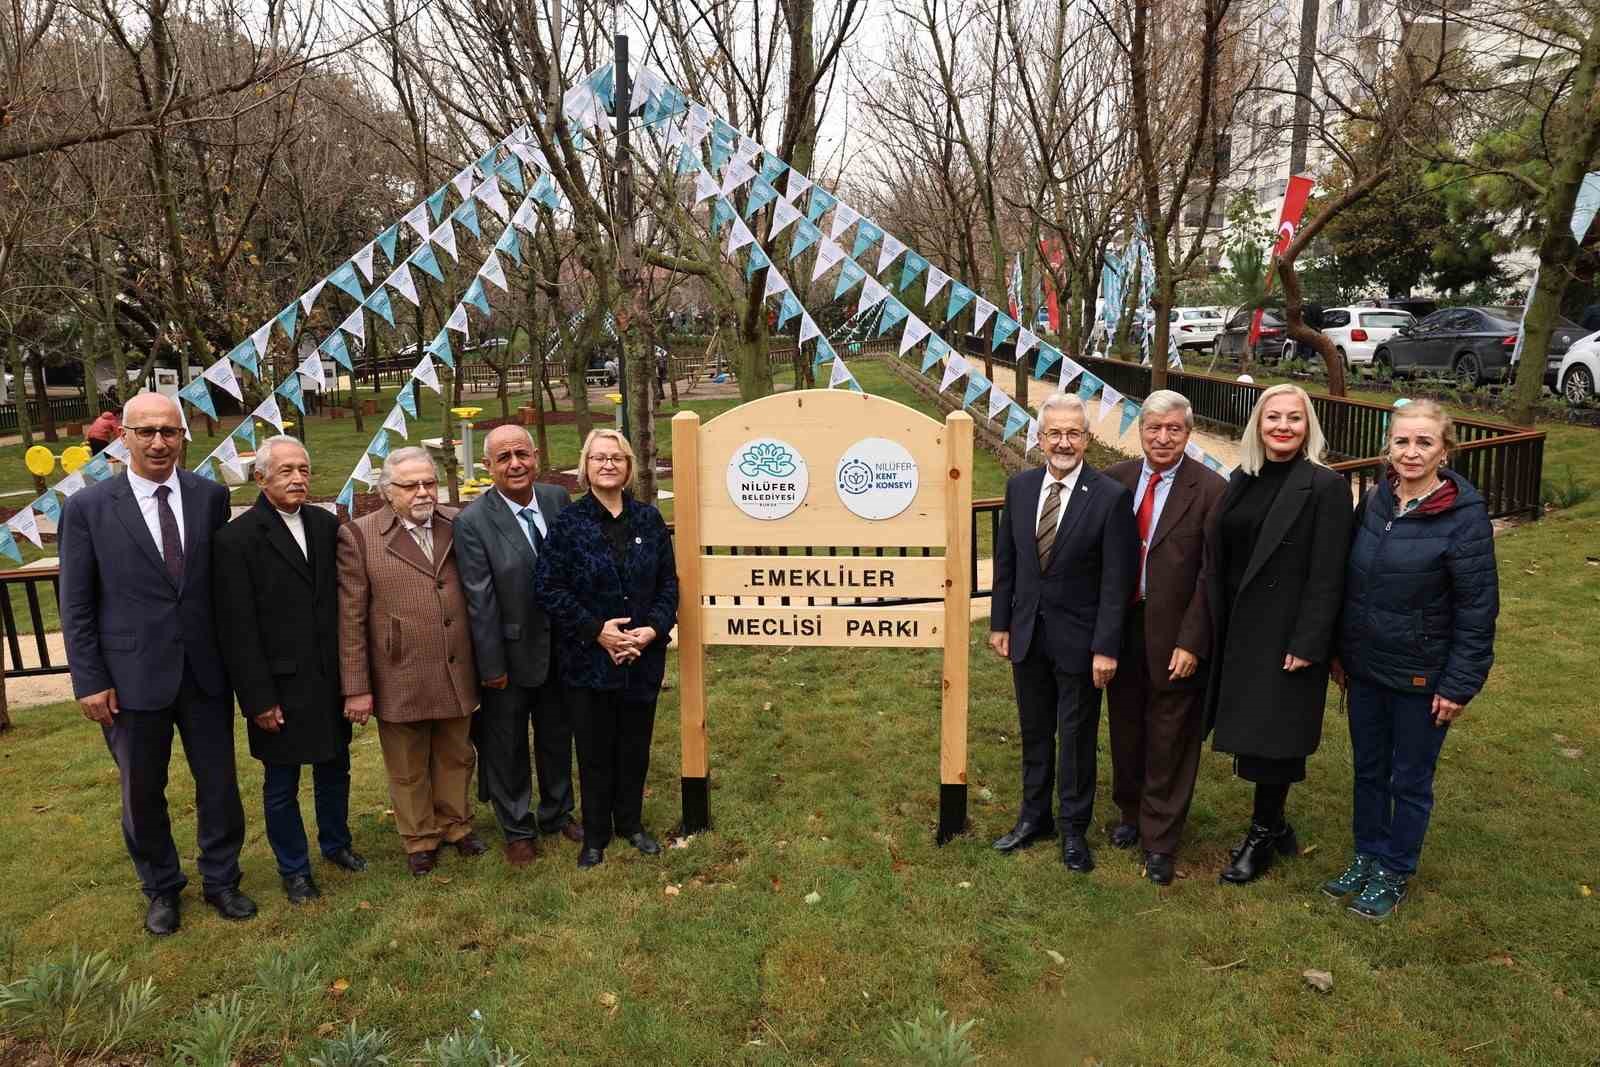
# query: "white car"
[[1196, 327], [1357, 331], [1580, 370]]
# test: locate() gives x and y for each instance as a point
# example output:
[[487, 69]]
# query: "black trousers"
[[140, 741], [613, 731], [505, 773], [1052, 701]]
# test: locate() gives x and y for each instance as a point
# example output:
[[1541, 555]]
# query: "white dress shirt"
[[1163, 490], [144, 491], [297, 528], [516, 513], [1068, 484]]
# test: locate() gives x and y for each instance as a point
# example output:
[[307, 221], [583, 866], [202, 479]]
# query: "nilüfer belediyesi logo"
[[767, 458], [767, 478]]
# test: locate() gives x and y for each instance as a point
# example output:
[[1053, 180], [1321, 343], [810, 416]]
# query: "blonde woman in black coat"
[[1275, 571]]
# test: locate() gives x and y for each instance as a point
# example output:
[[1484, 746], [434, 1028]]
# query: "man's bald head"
[[512, 460], [151, 406], [152, 429]]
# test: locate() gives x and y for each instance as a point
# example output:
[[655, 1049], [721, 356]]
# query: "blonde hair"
[[1428, 409], [1253, 454], [622, 445]]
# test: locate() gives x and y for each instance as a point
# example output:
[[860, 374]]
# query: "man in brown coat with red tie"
[[406, 656], [1155, 698]]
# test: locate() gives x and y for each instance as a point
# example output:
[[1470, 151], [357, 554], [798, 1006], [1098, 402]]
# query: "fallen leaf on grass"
[[609, 1002], [326, 1030], [1308, 850], [682, 842], [672, 890], [963, 885], [813, 897], [986, 794], [1585, 891], [777, 885], [444, 880], [767, 706], [1570, 753], [340, 985], [1502, 961], [1055, 957], [1321, 981], [40, 809], [365, 905], [1559, 738]]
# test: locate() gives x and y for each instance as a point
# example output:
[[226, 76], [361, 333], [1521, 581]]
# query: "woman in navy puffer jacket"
[[1415, 645]]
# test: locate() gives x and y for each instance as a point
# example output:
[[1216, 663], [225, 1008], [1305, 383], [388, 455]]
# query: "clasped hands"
[[624, 645]]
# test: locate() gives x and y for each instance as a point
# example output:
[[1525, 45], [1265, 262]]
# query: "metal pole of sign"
[[622, 95]]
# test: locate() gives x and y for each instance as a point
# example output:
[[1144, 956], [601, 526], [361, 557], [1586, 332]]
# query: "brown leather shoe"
[[471, 845], [573, 832], [521, 852], [420, 863]]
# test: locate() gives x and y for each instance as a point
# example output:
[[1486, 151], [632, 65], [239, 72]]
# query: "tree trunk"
[[642, 403], [47, 419], [19, 390], [1316, 340]]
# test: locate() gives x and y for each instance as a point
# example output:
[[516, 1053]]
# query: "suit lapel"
[[126, 507], [1291, 500], [279, 537], [444, 533], [509, 527], [194, 523], [1179, 498], [1029, 492], [399, 543], [1081, 495]]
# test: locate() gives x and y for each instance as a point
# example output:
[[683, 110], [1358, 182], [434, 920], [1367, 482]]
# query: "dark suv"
[[1269, 349], [1472, 343]]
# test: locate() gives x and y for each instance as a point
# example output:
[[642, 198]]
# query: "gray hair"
[[1164, 400], [397, 457], [266, 450], [502, 426], [1069, 402]]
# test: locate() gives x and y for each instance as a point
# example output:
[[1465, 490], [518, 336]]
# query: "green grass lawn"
[[825, 780]]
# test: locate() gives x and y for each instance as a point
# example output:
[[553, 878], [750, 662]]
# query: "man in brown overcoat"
[[1156, 697], [406, 656]]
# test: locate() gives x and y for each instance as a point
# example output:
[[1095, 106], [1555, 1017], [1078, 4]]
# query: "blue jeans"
[[1395, 747], [280, 799]]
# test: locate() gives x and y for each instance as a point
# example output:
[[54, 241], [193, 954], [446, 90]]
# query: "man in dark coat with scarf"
[[277, 609]]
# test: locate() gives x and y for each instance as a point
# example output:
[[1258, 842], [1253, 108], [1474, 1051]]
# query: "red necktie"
[[1147, 514]]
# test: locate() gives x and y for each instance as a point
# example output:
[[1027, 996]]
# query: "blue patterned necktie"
[[534, 535]]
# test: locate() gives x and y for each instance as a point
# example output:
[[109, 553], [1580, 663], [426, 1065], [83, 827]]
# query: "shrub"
[[934, 1039], [213, 1034], [287, 990], [470, 1050], [355, 1048], [1566, 494], [83, 1004]]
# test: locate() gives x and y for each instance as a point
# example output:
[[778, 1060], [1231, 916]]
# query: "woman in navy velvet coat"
[[608, 581], [1415, 645]]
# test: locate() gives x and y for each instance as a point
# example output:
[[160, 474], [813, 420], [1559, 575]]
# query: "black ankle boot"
[[1253, 857]]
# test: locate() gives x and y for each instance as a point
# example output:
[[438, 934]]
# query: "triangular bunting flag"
[[467, 214], [867, 235], [262, 338], [246, 432], [221, 375], [844, 217], [849, 275], [311, 367], [758, 260], [784, 215], [197, 394], [894, 313], [1109, 399], [491, 196], [936, 350], [981, 310], [458, 321], [805, 235], [493, 272], [436, 204], [1130, 412], [379, 302], [289, 319], [1070, 369], [761, 194], [387, 240], [960, 297], [998, 402], [427, 262], [739, 234], [425, 373], [915, 331], [892, 247], [1033, 436], [788, 310], [347, 496], [937, 280], [977, 385], [445, 237], [775, 284], [477, 297], [872, 294], [335, 347], [1027, 340], [828, 254], [439, 348], [8, 545], [1016, 419], [463, 181], [840, 373], [267, 411], [244, 354], [510, 245], [406, 399], [47, 505], [355, 324], [955, 365], [737, 174], [821, 201], [71, 483], [1004, 327], [396, 421], [291, 391], [379, 445], [808, 327], [417, 219], [798, 184], [704, 186], [363, 472], [1088, 386], [910, 269], [363, 259], [345, 278], [24, 523], [402, 282]]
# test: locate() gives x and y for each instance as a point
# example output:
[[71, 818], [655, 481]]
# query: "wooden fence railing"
[[62, 409]]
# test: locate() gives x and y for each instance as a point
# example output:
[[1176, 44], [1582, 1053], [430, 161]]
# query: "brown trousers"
[[429, 764], [1155, 745]]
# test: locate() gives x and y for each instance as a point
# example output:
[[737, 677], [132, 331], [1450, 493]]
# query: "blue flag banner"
[[850, 273], [510, 244], [1049, 356], [894, 313], [806, 234], [424, 260], [347, 496], [485, 162], [436, 203], [407, 398], [47, 505], [467, 215], [913, 266], [761, 194], [936, 351], [511, 173], [347, 279], [477, 297], [244, 354], [387, 240], [822, 202], [758, 259], [772, 168], [289, 319], [290, 390], [721, 214], [8, 545], [960, 297], [1016, 419], [335, 346], [439, 348], [379, 302], [380, 443], [97, 469], [1212, 462], [1088, 385], [689, 160], [1004, 327], [207, 471], [868, 233], [1583, 212], [977, 385], [199, 395], [545, 191], [1130, 412], [246, 432], [825, 352], [788, 309]]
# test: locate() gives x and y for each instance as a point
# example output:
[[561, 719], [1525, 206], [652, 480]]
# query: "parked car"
[[1419, 307], [1579, 370], [1358, 331], [1196, 327], [1472, 343], [1269, 349]]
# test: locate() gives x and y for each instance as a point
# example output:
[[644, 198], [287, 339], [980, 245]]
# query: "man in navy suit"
[[136, 614], [1066, 561]]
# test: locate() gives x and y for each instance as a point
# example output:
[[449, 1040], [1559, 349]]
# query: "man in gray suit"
[[498, 538]]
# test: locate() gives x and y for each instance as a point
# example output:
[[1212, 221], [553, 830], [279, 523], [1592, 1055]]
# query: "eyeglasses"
[[148, 433], [608, 461], [430, 485], [1055, 437]]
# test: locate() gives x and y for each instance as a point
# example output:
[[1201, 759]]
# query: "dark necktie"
[[1147, 513], [171, 543], [1049, 519], [533, 530]]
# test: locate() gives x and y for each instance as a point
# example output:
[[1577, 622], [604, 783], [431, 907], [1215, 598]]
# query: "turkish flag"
[[1052, 253], [1294, 208]]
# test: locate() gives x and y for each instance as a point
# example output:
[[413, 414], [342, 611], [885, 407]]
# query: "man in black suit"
[[498, 539], [1065, 563], [276, 591], [136, 614]]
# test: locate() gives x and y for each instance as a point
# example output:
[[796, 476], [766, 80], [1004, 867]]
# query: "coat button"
[[452, 659], [447, 621], [441, 585]]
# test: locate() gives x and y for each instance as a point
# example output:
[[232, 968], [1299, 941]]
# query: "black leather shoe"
[[1253, 857], [1158, 867], [1023, 834], [1124, 835], [161, 918], [349, 859], [232, 904], [300, 888], [1075, 853], [645, 843], [591, 857]]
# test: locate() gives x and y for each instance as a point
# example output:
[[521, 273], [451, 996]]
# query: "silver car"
[[1357, 331], [1196, 327]]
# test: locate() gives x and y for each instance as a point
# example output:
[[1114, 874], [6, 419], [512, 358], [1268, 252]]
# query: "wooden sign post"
[[811, 471]]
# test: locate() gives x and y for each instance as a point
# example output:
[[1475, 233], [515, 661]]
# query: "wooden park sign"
[[780, 481]]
